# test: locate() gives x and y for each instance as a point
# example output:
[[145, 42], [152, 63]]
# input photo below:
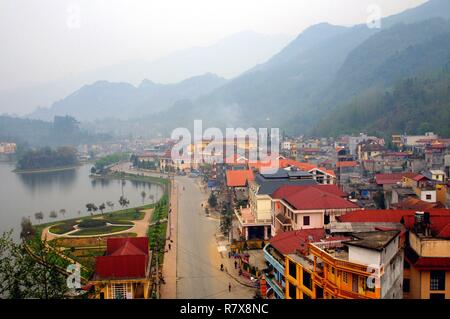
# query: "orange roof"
[[347, 164], [239, 178]]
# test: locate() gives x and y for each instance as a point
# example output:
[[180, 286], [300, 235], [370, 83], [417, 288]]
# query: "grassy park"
[[64, 250]]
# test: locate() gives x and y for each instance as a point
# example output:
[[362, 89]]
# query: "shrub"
[[92, 223]]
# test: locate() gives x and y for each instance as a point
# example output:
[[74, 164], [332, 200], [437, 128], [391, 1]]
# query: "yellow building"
[[367, 267], [427, 256]]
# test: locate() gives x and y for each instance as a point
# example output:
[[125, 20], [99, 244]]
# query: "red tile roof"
[[419, 177], [291, 189], [125, 258], [313, 197], [426, 263], [439, 225], [392, 178], [385, 215], [115, 243], [239, 178], [289, 242], [417, 204]]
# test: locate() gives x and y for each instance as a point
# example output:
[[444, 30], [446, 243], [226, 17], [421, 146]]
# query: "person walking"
[[169, 246], [229, 287], [235, 264]]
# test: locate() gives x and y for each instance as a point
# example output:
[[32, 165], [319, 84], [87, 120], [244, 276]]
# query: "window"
[[307, 282], [319, 292], [354, 283], [292, 291], [345, 277], [437, 280], [306, 220], [406, 285], [428, 197], [292, 269], [332, 270]]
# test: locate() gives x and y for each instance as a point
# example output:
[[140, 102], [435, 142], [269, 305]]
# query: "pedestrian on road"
[[235, 264], [169, 246], [229, 287]]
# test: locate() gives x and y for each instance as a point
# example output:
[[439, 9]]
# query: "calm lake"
[[22, 195]]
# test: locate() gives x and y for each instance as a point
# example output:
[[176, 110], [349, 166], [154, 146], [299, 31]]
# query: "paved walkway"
[[169, 271], [223, 246], [140, 228]]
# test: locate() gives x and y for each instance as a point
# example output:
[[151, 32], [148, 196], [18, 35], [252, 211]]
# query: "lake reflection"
[[22, 195]]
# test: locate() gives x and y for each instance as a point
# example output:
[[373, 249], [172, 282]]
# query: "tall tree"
[[102, 207], [212, 200], [39, 216]]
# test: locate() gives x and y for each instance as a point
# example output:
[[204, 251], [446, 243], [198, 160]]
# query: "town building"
[[255, 221], [124, 271], [297, 207], [309, 264], [427, 256], [8, 148], [369, 149], [275, 253], [426, 242]]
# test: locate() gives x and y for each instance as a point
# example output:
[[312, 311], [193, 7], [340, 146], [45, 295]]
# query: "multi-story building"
[[306, 207], [255, 221], [275, 253], [427, 255], [426, 244], [368, 266]]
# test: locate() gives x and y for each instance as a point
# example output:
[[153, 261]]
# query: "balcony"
[[275, 261], [276, 287], [246, 218]]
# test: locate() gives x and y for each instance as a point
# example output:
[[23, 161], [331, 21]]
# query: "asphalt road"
[[198, 259]]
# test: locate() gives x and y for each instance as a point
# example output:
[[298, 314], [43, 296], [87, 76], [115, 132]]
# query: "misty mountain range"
[[227, 58], [322, 71]]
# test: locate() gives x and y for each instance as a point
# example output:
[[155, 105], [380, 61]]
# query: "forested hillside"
[[64, 130], [414, 106]]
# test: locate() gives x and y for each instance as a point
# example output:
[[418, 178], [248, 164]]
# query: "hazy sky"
[[48, 39]]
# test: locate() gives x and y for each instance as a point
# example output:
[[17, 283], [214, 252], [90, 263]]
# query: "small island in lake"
[[47, 159]]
